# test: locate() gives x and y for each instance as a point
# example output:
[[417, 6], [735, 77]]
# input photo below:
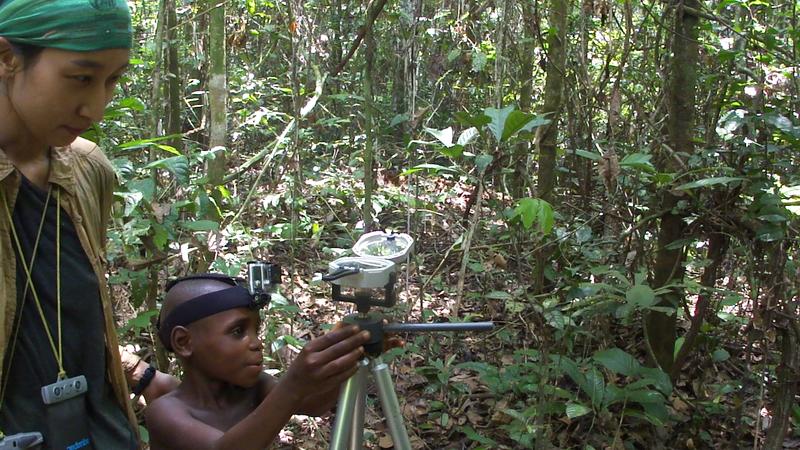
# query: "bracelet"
[[148, 376]]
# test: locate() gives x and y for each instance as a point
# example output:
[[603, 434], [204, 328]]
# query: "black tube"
[[446, 327]]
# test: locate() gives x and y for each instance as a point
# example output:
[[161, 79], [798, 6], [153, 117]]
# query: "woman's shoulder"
[[86, 149]]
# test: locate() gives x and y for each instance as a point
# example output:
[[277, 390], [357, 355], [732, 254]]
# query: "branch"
[[373, 13]]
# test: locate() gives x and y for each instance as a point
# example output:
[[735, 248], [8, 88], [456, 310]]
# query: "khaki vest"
[[87, 182]]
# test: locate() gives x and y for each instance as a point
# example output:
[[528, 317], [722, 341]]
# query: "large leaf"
[[444, 136], [177, 165], [535, 211], [641, 296], [705, 182], [574, 410], [638, 161], [618, 361], [498, 124]]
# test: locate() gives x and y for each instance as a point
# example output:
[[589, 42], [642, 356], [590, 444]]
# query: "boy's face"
[[226, 346], [62, 93]]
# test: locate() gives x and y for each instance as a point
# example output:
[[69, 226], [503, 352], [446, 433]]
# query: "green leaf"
[[177, 165], [453, 152], [590, 155], [430, 167], [708, 182], [199, 225], [476, 121], [478, 60], [482, 161], [645, 396], [618, 361], [641, 296], [467, 136], [498, 123], [472, 435], [499, 295], [595, 387], [639, 161], [720, 355], [574, 410], [444, 136], [535, 210], [677, 346]]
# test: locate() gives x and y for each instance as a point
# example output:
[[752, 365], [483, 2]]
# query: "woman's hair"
[[28, 52]]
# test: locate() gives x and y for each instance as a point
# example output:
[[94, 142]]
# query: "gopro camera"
[[263, 279], [21, 441]]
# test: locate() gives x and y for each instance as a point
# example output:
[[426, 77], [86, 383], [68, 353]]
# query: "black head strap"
[[202, 306]]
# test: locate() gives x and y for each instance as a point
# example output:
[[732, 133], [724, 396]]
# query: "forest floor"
[[448, 405]]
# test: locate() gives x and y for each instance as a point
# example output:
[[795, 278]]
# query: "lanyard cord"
[[56, 351], [15, 330]]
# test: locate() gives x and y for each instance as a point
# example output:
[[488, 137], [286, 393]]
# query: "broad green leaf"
[[595, 387], [574, 410], [478, 60], [499, 118], [444, 136], [199, 225], [618, 361], [472, 435], [676, 348], [720, 355], [453, 152], [467, 136], [534, 210], [476, 121], [430, 167], [641, 295], [482, 161], [708, 182], [590, 155], [639, 161], [645, 396], [499, 295], [178, 165]]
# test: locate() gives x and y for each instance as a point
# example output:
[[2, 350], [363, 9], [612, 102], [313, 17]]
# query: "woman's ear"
[[10, 61], [181, 340]]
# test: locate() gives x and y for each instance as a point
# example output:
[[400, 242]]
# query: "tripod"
[[364, 275], [348, 429]]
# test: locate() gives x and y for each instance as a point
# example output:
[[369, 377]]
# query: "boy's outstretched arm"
[[322, 365]]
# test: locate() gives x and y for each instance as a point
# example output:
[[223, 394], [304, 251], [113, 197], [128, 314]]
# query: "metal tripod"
[[348, 429]]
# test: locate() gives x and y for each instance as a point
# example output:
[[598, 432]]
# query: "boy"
[[226, 401]]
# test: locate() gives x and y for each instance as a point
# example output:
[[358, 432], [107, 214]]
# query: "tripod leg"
[[391, 407], [346, 409], [357, 427]]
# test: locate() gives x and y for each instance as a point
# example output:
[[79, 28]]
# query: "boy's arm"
[[323, 365]]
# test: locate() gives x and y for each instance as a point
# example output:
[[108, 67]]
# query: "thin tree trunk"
[[548, 137], [217, 91], [660, 327], [369, 156], [173, 125]]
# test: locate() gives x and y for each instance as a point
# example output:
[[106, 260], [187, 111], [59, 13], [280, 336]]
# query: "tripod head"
[[373, 272]]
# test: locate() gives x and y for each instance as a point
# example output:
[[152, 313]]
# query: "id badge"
[[66, 421]]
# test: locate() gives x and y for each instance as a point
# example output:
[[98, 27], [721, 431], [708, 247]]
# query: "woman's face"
[[58, 95]]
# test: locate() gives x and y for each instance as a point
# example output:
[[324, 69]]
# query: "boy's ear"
[[181, 340], [10, 61]]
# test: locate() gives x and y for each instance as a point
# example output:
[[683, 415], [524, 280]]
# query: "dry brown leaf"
[[385, 441]]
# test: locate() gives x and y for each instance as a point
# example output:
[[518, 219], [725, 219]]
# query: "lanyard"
[[57, 351]]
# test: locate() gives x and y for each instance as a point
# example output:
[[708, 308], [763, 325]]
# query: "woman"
[[60, 61]]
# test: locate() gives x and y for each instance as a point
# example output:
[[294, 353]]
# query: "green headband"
[[76, 25]]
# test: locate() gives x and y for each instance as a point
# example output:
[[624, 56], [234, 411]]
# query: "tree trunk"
[[369, 157], [668, 268], [548, 137], [173, 125], [217, 91]]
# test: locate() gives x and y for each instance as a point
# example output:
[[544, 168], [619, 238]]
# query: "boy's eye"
[[82, 78], [238, 331]]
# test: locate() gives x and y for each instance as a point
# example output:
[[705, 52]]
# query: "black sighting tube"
[[445, 327]]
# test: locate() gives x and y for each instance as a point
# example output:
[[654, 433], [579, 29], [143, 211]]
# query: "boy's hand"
[[327, 361]]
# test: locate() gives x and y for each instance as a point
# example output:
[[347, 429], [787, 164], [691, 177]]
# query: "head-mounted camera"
[[255, 292]]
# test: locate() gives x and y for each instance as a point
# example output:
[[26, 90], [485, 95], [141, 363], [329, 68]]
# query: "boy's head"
[[209, 321], [195, 297]]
